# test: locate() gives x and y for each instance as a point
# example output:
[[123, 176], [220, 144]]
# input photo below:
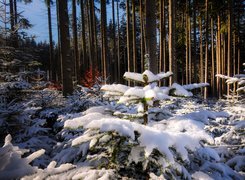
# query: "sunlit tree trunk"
[[172, 56], [212, 51], [206, 49], [114, 59], [104, 38], [162, 62], [67, 63], [134, 37], [195, 41], [75, 42]]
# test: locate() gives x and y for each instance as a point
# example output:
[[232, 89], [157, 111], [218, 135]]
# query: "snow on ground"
[[200, 140]]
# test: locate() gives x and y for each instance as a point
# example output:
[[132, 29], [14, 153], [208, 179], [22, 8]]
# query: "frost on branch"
[[12, 165], [148, 96]]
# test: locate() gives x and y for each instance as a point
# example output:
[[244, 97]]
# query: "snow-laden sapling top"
[[148, 94], [142, 96]]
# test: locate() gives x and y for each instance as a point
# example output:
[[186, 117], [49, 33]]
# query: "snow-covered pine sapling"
[[142, 96], [237, 78]]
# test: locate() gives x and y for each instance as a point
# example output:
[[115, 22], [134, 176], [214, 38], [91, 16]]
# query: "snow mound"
[[150, 137], [12, 165]]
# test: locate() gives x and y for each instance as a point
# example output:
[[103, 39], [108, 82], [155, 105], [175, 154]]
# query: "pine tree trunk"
[[206, 50], [67, 63], [129, 60], [229, 45], [172, 57], [186, 44], [212, 50], [201, 51], [118, 46], [162, 62], [134, 37], [84, 59], [75, 42], [142, 40], [150, 35], [218, 55], [52, 73], [114, 59], [104, 38], [195, 42]]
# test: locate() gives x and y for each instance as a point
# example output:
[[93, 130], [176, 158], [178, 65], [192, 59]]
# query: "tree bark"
[[134, 37], [172, 56], [142, 40], [52, 74], [75, 41], [104, 38], [206, 49], [150, 35], [67, 63]]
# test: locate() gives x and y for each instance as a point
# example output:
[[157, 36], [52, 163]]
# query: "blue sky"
[[36, 13]]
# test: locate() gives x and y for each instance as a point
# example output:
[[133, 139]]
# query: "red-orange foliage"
[[55, 86], [88, 80]]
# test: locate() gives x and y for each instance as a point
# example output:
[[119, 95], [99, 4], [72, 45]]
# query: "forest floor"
[[80, 138]]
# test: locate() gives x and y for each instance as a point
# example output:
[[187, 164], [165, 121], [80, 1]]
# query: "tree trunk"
[[130, 69], [162, 62], [150, 35], [229, 45], [212, 50], [201, 51], [172, 56], [134, 37], [104, 38], [75, 42], [142, 40], [206, 50], [83, 45], [118, 46], [218, 55], [52, 74], [186, 44], [67, 63], [114, 59], [195, 42]]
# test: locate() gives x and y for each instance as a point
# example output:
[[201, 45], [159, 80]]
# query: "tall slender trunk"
[[128, 38], [190, 48], [59, 61], [118, 46], [212, 50], [162, 62], [134, 37], [104, 38], [83, 59], [172, 57], [12, 25], [52, 74], [206, 50], [142, 40], [201, 51], [67, 63], [75, 41], [92, 34], [150, 32], [186, 43], [229, 45], [195, 42], [114, 59]]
